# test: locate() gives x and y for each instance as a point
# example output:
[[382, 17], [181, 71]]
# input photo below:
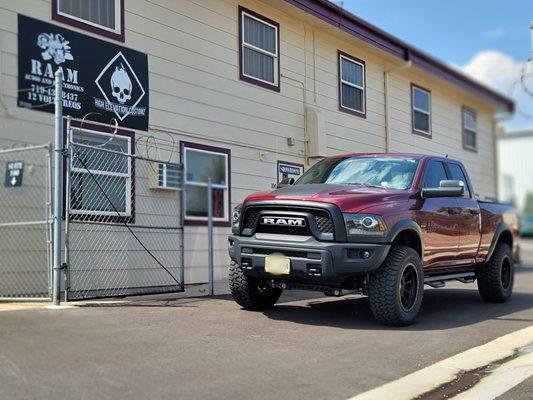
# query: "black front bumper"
[[314, 262]]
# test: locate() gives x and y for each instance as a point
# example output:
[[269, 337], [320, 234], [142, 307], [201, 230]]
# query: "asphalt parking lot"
[[208, 348]]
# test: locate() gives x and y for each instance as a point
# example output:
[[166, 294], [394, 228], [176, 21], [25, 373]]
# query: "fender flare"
[[406, 225], [502, 227]]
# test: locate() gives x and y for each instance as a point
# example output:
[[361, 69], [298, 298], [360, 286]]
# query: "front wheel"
[[495, 278], [396, 288], [251, 293]]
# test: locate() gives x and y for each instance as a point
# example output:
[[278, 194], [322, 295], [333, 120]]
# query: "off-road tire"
[[384, 287], [251, 293], [495, 278]]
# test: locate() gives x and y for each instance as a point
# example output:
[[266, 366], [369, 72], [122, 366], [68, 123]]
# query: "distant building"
[[515, 159]]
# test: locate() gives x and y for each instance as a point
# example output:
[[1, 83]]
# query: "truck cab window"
[[435, 173], [457, 174]]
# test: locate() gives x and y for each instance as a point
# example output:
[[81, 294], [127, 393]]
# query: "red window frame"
[[221, 150], [73, 21], [355, 60], [428, 135], [249, 79], [465, 109]]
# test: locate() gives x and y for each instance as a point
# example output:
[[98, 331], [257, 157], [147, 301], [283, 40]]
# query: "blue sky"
[[487, 38]]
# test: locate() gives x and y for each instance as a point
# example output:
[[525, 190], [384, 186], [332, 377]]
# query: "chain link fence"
[[25, 223], [124, 222]]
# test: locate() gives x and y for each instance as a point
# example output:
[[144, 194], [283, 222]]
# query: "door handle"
[[453, 210], [474, 211]]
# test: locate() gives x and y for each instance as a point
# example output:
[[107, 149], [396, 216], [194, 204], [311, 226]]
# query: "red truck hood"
[[349, 198]]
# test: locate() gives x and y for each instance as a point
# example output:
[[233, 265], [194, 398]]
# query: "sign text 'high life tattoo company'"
[[100, 77]]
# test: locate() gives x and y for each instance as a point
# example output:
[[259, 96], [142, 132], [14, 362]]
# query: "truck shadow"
[[441, 309]]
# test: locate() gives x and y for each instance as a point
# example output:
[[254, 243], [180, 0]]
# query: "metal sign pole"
[[210, 236], [58, 185], [68, 151]]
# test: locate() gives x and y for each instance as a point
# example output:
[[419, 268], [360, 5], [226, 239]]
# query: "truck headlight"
[[364, 225], [236, 219]]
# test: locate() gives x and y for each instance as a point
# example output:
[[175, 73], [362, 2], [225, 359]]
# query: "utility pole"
[[58, 185]]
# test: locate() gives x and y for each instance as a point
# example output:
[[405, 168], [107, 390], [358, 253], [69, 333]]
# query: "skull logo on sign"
[[121, 84]]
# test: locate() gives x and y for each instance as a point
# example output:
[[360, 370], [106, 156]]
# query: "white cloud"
[[500, 71], [494, 68], [495, 33]]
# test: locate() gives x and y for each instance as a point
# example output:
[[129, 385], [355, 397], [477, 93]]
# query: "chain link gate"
[[25, 223], [124, 228]]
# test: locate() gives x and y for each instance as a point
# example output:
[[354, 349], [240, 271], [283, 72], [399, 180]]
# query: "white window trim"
[[225, 187], [118, 19], [127, 175], [362, 88], [421, 110], [275, 55], [465, 128]]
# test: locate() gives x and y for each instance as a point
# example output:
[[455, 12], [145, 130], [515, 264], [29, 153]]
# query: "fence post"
[[68, 155], [210, 236], [58, 185]]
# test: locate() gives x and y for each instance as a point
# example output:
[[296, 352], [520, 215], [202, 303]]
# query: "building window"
[[421, 110], [104, 17], [101, 186], [352, 85], [169, 176], [469, 129], [259, 49], [200, 164]]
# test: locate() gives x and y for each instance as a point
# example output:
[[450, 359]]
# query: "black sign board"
[[99, 77], [14, 174]]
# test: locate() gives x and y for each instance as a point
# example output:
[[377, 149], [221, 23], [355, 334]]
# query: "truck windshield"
[[391, 173]]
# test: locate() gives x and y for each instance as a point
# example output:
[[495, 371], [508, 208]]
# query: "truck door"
[[439, 221], [470, 218]]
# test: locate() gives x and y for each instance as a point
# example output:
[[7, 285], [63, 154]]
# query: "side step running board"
[[438, 281]]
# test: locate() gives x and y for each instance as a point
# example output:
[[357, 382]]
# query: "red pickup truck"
[[378, 224]]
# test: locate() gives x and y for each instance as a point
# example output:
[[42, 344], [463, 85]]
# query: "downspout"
[[386, 73]]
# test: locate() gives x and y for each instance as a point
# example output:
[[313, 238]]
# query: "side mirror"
[[285, 182], [447, 188]]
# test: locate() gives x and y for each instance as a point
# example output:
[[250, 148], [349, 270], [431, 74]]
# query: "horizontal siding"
[[196, 95]]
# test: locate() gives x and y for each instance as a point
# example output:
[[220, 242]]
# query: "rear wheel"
[[495, 278], [395, 289], [251, 293]]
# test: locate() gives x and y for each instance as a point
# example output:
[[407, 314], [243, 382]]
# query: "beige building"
[[242, 88]]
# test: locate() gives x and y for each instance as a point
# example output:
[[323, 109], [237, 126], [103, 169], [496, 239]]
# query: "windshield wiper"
[[364, 184]]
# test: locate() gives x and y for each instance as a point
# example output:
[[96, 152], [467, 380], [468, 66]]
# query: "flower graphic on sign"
[[55, 47]]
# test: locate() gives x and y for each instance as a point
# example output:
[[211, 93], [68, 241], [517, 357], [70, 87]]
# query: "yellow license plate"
[[277, 265]]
